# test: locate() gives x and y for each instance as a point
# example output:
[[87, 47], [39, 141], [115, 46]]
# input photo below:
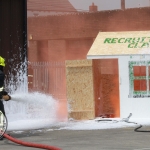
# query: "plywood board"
[[80, 94]]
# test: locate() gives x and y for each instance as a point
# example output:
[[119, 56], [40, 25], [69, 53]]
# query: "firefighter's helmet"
[[2, 61]]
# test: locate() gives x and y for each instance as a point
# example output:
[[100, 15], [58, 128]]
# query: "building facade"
[[69, 36]]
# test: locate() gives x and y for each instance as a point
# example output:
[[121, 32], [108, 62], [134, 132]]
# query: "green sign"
[[139, 42]]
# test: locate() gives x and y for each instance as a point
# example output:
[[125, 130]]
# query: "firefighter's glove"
[[6, 97], [4, 93]]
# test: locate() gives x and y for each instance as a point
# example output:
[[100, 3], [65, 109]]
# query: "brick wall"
[[32, 51], [88, 24], [83, 26], [57, 50], [77, 48]]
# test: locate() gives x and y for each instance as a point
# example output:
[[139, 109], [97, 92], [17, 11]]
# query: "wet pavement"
[[108, 139]]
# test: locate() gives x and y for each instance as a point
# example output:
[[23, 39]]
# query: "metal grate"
[[49, 78]]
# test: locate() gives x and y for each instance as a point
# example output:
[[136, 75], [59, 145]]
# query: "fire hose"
[[29, 144], [3, 128], [127, 121]]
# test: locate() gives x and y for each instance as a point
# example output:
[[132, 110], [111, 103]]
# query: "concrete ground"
[[110, 139]]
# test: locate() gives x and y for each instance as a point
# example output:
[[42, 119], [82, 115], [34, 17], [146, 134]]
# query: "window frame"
[[139, 94]]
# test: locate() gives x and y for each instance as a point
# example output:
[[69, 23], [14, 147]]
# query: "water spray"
[[17, 82], [3, 128], [13, 98], [3, 124]]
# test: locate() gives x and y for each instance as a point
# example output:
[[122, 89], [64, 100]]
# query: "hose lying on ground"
[[127, 121], [124, 119], [139, 126], [29, 144]]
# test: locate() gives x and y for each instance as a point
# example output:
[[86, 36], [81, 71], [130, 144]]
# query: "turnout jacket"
[[2, 77]]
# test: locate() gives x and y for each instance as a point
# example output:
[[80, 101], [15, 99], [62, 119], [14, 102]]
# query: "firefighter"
[[3, 94]]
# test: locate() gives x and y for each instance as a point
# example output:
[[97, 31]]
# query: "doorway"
[[106, 88]]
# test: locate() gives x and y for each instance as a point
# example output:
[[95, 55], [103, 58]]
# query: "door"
[[106, 88]]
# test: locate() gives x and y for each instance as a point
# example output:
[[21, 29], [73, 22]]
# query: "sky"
[[83, 5], [108, 4]]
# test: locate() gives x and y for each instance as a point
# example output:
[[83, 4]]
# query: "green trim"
[[133, 93], [136, 42]]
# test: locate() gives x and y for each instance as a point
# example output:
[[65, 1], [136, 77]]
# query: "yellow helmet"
[[2, 61]]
